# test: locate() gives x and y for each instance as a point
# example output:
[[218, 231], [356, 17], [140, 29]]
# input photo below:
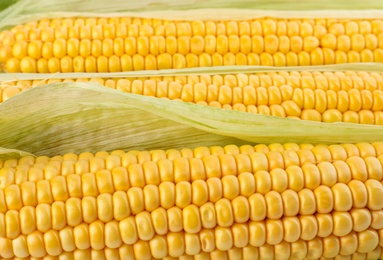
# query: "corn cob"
[[353, 97], [128, 43], [303, 200]]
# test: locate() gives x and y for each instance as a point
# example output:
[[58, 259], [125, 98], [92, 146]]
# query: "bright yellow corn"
[[301, 201], [127, 44], [142, 251], [352, 97]]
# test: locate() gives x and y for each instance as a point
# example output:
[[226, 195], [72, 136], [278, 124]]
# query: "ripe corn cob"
[[353, 97], [126, 44], [303, 200]]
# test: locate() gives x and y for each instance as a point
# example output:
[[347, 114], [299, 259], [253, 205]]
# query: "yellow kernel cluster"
[[127, 44], [144, 250], [303, 200], [352, 97]]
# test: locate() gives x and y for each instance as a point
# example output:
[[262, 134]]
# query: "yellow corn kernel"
[[66, 234], [332, 115], [58, 215], [342, 222], [176, 244], [167, 194], [223, 238], [342, 197], [291, 225], [359, 193], [183, 194], [295, 178], [361, 219], [290, 202], [136, 200], [112, 235], [324, 199], [374, 190], [74, 185], [274, 231], [43, 217], [215, 189], [20, 246], [27, 220], [291, 108], [199, 192], [151, 173], [279, 180], [81, 236], [89, 187], [307, 202], [325, 224], [159, 220], [52, 243], [181, 170], [234, 253], [311, 176], [257, 205], [35, 242], [158, 246], [298, 249], [327, 170], [174, 217], [309, 227], [141, 250], [208, 215], [368, 240], [274, 205], [119, 177], [282, 250], [44, 193], [6, 248], [266, 251], [151, 196], [59, 188], [376, 217], [136, 175], [263, 182], [191, 219], [358, 168], [206, 237], [331, 246], [73, 211], [230, 186], [224, 213], [246, 184], [128, 230], [13, 197], [314, 248]]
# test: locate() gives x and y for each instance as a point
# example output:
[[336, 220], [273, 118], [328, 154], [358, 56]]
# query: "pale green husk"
[[12, 153], [77, 117], [29, 10], [367, 67]]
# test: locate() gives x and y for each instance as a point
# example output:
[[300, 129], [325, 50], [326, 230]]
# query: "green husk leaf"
[[77, 117], [367, 67], [12, 153], [29, 10]]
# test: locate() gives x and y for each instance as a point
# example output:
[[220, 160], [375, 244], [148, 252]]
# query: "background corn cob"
[[129, 43], [353, 97], [303, 199]]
